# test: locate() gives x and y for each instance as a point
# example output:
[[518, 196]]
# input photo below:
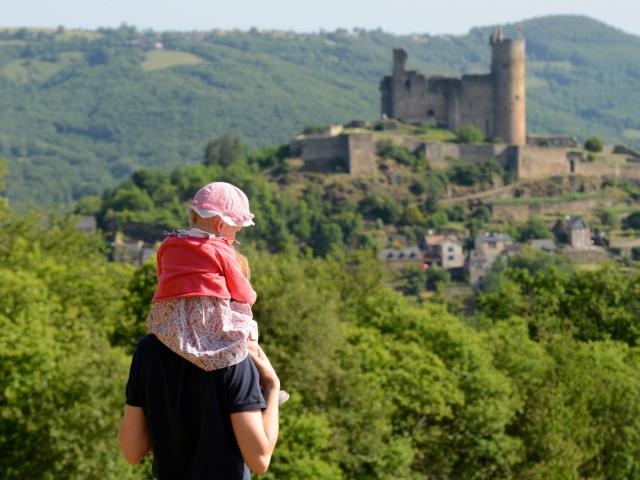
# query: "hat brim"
[[225, 218]]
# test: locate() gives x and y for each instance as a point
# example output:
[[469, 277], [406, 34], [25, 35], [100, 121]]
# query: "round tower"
[[507, 71]]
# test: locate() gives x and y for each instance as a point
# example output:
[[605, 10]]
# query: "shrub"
[[313, 129], [225, 150], [482, 213], [534, 227], [388, 149], [466, 174], [632, 221], [470, 134], [608, 218], [593, 144]]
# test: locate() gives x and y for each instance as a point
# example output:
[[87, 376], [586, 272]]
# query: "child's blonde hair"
[[244, 265]]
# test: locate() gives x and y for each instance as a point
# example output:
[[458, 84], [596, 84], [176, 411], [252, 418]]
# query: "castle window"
[[430, 113], [505, 65], [407, 84]]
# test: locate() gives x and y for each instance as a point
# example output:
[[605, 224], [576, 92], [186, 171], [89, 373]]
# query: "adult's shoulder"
[[243, 387], [148, 343]]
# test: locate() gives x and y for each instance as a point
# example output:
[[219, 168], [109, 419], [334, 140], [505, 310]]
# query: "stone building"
[[334, 152], [443, 250], [495, 102], [579, 233], [401, 257], [488, 248]]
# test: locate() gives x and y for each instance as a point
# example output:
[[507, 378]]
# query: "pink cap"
[[221, 199]]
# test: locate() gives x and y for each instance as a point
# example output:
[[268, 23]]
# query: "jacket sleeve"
[[239, 286]]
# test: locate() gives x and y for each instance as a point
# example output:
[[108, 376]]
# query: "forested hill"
[[80, 110]]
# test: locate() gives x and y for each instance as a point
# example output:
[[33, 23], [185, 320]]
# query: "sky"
[[396, 16]]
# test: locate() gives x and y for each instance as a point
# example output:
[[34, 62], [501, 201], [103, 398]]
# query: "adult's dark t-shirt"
[[189, 412]]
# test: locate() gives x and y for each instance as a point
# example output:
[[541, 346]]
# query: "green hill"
[[82, 110]]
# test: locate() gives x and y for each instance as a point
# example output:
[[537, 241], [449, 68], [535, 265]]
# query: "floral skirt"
[[210, 332]]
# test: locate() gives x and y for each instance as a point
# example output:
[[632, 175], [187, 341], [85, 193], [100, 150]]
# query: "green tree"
[[608, 218], [61, 382], [534, 227], [632, 221], [437, 278], [225, 150], [463, 173], [593, 144]]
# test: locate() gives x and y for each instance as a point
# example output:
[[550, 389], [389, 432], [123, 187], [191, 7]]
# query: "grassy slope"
[[71, 126]]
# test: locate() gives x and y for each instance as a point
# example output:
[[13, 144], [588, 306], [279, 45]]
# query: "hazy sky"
[[398, 16]]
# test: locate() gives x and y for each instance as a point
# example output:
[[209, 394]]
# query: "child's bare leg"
[[255, 349]]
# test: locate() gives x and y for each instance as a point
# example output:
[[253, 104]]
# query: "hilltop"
[[83, 110]]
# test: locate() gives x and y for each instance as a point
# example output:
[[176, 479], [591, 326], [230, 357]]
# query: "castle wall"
[[630, 171], [362, 154], [596, 169], [409, 97], [439, 154], [480, 153], [324, 154], [539, 162], [442, 102], [524, 211], [476, 103]]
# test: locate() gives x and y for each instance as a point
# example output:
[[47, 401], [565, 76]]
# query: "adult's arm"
[[256, 431], [134, 435]]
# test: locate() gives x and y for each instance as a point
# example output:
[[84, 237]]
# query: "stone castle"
[[495, 103]]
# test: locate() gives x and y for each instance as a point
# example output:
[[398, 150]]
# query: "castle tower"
[[399, 61], [390, 86], [507, 72]]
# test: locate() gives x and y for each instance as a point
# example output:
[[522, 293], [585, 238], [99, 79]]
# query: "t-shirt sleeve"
[[134, 396], [243, 389]]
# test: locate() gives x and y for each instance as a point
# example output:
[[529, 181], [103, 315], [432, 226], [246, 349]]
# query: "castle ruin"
[[495, 103]]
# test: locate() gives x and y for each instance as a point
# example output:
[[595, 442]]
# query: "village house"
[[579, 233], [444, 250], [402, 257], [487, 248], [131, 251], [87, 224]]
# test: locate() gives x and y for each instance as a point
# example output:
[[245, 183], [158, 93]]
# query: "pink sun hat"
[[221, 199]]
